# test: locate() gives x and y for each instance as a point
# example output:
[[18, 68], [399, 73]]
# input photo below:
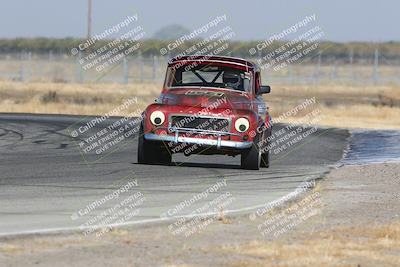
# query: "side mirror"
[[264, 89]]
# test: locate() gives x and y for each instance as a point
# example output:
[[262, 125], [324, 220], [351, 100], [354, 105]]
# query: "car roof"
[[211, 59]]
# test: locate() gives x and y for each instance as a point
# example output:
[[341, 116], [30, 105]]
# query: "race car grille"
[[200, 123]]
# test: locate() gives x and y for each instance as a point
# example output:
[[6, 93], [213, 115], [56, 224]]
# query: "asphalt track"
[[45, 180]]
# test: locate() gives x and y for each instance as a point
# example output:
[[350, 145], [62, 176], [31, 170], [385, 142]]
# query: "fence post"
[[375, 73], [21, 67], [318, 67], [334, 71], [126, 70], [141, 66], [154, 68], [351, 55], [30, 64], [79, 68], [351, 59]]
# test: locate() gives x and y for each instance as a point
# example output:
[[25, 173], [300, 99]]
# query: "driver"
[[232, 79]]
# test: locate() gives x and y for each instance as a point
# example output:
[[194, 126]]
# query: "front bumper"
[[199, 141]]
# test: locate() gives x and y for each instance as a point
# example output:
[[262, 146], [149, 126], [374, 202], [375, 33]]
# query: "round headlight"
[[157, 118], [242, 125]]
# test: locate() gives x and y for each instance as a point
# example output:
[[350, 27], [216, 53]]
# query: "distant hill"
[[170, 32]]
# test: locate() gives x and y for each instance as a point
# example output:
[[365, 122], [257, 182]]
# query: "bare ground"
[[357, 223]]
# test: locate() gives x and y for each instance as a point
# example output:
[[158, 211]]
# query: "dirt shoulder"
[[352, 218]]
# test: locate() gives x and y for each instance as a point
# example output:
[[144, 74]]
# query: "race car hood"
[[204, 97]]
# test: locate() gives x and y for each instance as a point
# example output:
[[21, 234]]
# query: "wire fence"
[[28, 67]]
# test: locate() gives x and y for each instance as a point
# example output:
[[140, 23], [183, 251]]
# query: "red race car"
[[208, 105]]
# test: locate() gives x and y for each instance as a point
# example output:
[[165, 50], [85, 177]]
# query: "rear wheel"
[[152, 152], [250, 159], [265, 158]]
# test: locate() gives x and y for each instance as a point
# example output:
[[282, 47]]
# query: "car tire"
[[265, 157], [164, 156], [250, 159], [144, 153], [152, 152], [265, 160]]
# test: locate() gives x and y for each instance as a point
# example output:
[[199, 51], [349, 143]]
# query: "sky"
[[341, 20]]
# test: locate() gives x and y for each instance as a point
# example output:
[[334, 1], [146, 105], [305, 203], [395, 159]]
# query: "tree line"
[[344, 51]]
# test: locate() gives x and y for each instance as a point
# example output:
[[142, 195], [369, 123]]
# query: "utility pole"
[[89, 30]]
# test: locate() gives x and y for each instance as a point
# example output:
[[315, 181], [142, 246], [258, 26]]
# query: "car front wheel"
[[250, 159], [265, 159], [152, 152]]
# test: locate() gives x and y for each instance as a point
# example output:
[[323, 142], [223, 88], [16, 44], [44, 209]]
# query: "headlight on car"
[[157, 118], [242, 125]]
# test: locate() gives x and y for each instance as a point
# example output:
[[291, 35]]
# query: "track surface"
[[44, 179]]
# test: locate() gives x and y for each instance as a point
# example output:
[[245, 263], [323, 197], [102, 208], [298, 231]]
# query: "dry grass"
[[373, 107], [39, 243], [361, 116], [341, 106], [365, 246], [77, 99], [339, 91]]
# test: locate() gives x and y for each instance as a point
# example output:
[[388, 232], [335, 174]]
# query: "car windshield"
[[209, 76]]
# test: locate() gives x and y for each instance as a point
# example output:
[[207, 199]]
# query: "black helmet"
[[232, 79]]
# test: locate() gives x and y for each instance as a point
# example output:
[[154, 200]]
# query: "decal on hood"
[[205, 93]]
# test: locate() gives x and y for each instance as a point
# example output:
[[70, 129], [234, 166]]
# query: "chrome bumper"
[[199, 141]]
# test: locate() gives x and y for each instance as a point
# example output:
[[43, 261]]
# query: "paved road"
[[47, 181]]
